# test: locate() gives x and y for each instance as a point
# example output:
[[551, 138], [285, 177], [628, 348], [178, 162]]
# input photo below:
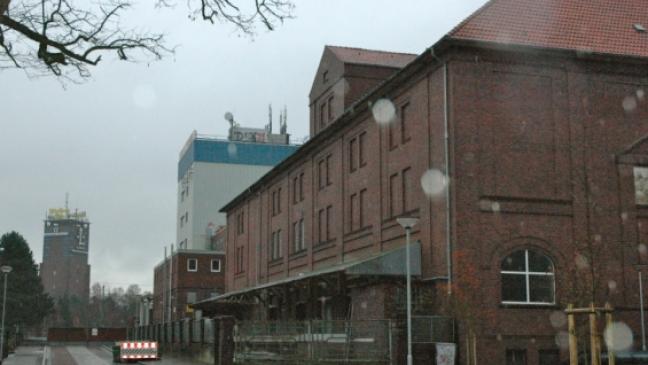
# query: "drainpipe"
[[447, 173]]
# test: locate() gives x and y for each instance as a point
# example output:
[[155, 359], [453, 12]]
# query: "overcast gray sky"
[[113, 142]]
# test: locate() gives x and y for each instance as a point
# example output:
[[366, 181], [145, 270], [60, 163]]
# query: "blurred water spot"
[[231, 150], [495, 206], [597, 237], [558, 319], [562, 340], [433, 182], [581, 261], [384, 111], [642, 249], [612, 285], [640, 94], [629, 103], [618, 336], [624, 216], [144, 96]]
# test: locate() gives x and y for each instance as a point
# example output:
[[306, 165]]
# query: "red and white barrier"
[[138, 350]]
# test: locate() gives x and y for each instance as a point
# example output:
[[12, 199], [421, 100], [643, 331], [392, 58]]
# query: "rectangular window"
[[322, 115], [393, 142], [641, 185], [301, 187], [361, 147], [274, 203], [321, 173], [298, 236], [275, 245], [192, 265], [363, 208], [404, 122], [393, 197], [240, 223], [406, 189], [295, 190], [329, 217], [279, 200], [321, 226], [215, 265], [302, 233], [548, 357], [352, 212], [191, 297], [352, 157], [328, 170], [516, 357], [239, 259]]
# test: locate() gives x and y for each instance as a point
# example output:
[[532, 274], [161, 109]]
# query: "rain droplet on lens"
[[618, 336], [384, 111], [231, 150], [640, 94], [581, 261], [495, 206], [433, 182], [558, 319], [629, 103], [562, 340]]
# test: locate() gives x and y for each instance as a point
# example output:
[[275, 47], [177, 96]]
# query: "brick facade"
[[541, 147], [202, 283]]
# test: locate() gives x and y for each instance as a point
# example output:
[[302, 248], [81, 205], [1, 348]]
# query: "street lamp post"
[[408, 223], [5, 270], [641, 307]]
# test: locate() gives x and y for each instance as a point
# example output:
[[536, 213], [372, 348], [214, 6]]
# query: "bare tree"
[[66, 39]]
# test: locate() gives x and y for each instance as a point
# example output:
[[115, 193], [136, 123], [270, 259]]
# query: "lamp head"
[[407, 222]]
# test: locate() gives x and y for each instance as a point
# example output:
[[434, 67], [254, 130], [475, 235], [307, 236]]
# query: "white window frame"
[[212, 265], [189, 265], [639, 172], [527, 274]]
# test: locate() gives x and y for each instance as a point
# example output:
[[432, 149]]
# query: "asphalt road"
[[60, 355], [74, 355]]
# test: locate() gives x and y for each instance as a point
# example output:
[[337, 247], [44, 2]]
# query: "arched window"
[[527, 278]]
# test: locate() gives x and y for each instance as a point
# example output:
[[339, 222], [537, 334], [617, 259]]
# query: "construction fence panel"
[[433, 329], [209, 333], [320, 341], [196, 331]]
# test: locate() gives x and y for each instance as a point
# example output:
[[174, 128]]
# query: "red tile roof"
[[372, 57], [599, 26]]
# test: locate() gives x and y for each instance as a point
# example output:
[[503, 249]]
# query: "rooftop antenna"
[[283, 125], [269, 129], [67, 198], [229, 117]]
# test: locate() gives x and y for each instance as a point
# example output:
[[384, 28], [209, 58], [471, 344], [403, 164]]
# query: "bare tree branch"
[[266, 12], [59, 37]]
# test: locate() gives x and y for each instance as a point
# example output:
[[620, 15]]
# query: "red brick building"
[[194, 275], [536, 112]]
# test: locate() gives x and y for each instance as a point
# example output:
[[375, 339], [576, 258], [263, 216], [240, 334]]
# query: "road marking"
[[82, 356], [46, 354]]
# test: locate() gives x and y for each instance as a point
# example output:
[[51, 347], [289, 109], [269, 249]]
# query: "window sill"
[[275, 262], [324, 245], [297, 254], [512, 305]]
